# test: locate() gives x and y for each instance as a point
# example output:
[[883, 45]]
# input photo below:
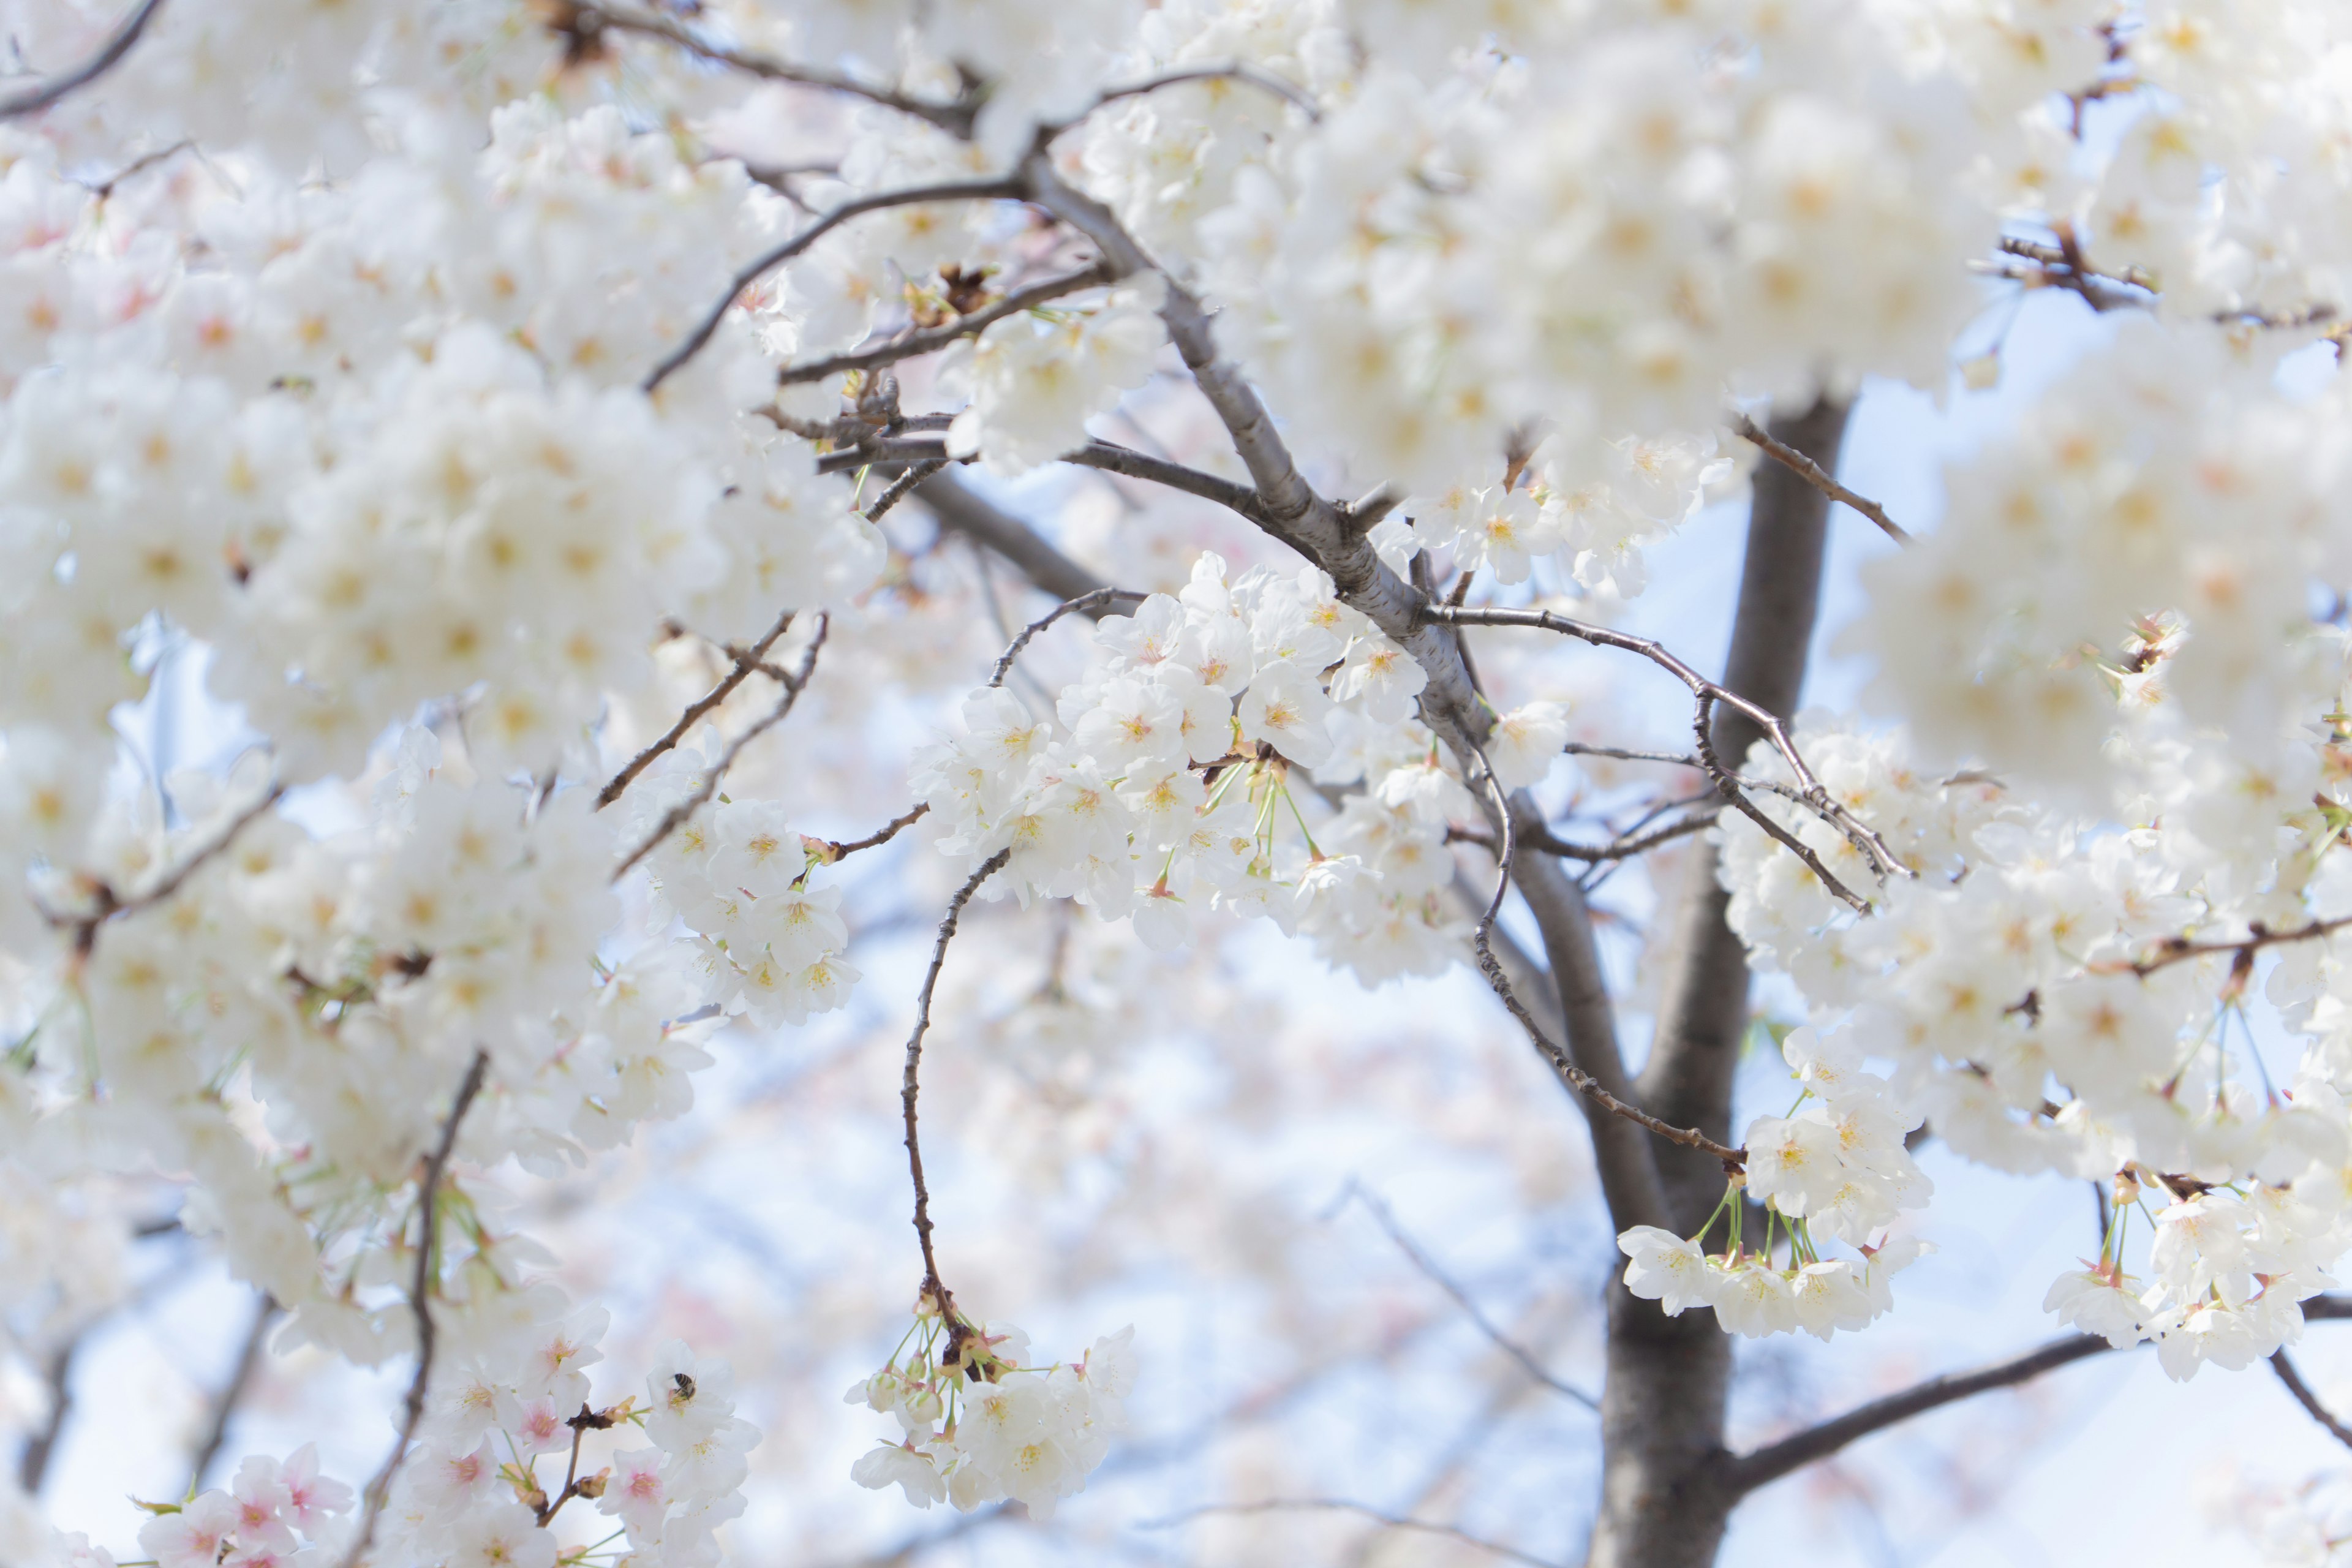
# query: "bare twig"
[[1748, 1471], [2307, 1399], [794, 686], [999, 188], [745, 663], [900, 487], [420, 1302], [907, 345], [1821, 479], [33, 99], [1622, 847], [1421, 1260], [139, 165], [56, 1373], [1708, 693], [909, 1087], [1342, 1505], [1086, 601], [233, 1392], [878, 448], [960, 509], [1585, 1083], [586, 19], [832, 850]]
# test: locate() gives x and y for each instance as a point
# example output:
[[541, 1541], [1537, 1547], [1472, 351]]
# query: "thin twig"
[[997, 188], [2307, 1399], [1421, 1260], [875, 449], [1821, 479], [908, 345], [831, 850], [745, 663], [105, 187], [1342, 1505], [32, 101], [1576, 1078], [1708, 692], [900, 486], [1085, 601], [1624, 847], [589, 18], [794, 686], [909, 1087], [420, 1303]]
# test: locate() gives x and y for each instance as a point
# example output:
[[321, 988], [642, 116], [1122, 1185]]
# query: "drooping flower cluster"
[[1835, 1168], [979, 1426], [1169, 789]]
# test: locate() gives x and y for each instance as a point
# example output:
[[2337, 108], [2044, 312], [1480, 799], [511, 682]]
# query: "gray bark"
[[1666, 1492]]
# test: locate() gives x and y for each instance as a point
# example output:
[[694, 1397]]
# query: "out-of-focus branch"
[[57, 1375], [1526, 1362], [420, 1304], [958, 508], [1770, 1463], [106, 904], [33, 99], [231, 1393], [1342, 1505], [585, 21], [2307, 1399]]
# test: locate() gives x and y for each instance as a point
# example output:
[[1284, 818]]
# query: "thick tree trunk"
[[1664, 1494]]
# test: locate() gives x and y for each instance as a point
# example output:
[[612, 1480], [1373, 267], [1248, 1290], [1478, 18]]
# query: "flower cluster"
[[263, 1520], [1168, 789], [518, 1395], [979, 1426], [1835, 1168]]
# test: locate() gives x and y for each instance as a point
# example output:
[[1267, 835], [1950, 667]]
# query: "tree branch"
[[1092, 598], [233, 1392], [586, 20], [909, 345], [745, 663], [832, 850], [106, 904], [1421, 1260], [33, 1460], [33, 99], [420, 1302], [958, 508], [1585, 1083], [2307, 1399], [1001, 188], [1746, 1472], [794, 686], [1340, 1505], [1237, 70], [2180, 949], [1821, 479], [909, 1087]]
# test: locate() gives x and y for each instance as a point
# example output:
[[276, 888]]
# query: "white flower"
[[1286, 708], [1668, 1269]]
